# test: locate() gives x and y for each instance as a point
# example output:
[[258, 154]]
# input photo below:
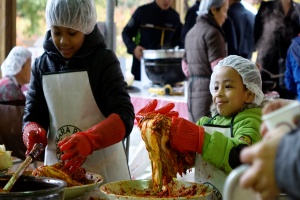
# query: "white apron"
[[72, 108], [205, 172]]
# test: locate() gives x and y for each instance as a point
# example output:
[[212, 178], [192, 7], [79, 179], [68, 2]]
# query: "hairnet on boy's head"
[[249, 72], [75, 14], [15, 60], [206, 5]]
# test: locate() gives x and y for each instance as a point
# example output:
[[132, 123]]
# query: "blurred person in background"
[[230, 36], [205, 46], [292, 72], [243, 21], [152, 26], [250, 5], [15, 70], [190, 19], [276, 24], [228, 28]]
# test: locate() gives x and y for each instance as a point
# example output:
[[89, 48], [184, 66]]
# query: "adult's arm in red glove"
[[150, 108], [34, 133], [186, 136], [78, 146]]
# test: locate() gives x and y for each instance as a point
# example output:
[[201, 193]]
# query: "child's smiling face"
[[230, 94], [68, 41]]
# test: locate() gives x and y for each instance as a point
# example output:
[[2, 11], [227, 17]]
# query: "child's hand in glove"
[[150, 108], [186, 136]]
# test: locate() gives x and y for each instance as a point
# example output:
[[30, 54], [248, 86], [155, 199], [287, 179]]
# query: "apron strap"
[[231, 123], [211, 119]]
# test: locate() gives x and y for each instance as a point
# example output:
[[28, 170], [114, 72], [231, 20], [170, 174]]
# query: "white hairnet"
[[15, 60], [206, 5], [249, 72], [75, 14]]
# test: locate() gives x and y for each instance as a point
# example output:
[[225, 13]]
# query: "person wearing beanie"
[[77, 104], [15, 72], [236, 90]]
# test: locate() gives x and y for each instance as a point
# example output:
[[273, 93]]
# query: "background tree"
[[32, 13]]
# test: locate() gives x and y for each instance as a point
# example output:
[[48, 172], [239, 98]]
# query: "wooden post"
[[179, 7], [7, 27]]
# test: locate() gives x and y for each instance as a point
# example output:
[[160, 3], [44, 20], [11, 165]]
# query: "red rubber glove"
[[34, 133], [150, 108], [78, 146], [186, 136]]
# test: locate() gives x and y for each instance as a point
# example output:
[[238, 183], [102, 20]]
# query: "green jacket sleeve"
[[217, 148]]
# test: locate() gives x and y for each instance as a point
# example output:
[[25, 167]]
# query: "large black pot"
[[163, 66], [33, 188]]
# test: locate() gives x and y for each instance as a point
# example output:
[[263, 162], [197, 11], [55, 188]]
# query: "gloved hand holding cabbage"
[[185, 135]]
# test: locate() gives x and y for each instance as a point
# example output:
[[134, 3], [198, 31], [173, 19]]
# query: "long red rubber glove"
[[34, 133], [186, 136], [78, 146], [150, 108]]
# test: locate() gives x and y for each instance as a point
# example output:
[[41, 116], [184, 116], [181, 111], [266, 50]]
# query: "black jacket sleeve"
[[130, 31], [109, 88], [36, 109]]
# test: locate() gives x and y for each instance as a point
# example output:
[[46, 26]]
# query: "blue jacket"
[[292, 73], [145, 28]]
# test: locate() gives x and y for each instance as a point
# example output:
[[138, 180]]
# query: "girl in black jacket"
[[77, 104]]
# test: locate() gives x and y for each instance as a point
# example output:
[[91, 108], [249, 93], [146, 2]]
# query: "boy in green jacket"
[[236, 88]]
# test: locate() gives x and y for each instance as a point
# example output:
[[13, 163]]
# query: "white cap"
[[75, 14], [249, 72], [15, 60], [206, 5]]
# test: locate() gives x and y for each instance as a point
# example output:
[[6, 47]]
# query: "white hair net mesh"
[[205, 5], [15, 60], [249, 72], [75, 14]]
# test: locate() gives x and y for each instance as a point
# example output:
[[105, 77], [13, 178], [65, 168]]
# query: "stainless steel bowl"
[[33, 188], [141, 190], [94, 181]]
